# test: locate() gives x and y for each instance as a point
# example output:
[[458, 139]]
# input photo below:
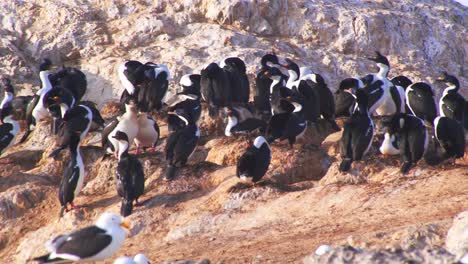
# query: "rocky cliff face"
[[373, 214], [421, 38]]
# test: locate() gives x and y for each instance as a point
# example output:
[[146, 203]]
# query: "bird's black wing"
[[5, 136], [184, 147], [250, 124], [85, 242], [68, 184], [246, 163], [171, 143], [138, 177], [124, 179], [107, 130]]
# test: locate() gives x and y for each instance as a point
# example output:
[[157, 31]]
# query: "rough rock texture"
[[205, 213], [350, 254], [457, 236], [421, 38]]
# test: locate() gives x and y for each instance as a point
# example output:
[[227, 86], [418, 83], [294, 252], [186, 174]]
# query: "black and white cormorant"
[[344, 98], [420, 101], [181, 143], [239, 82], [357, 134], [241, 120], [215, 88], [263, 84], [253, 164], [18, 103], [392, 100], [147, 84], [9, 128], [9, 92], [36, 110], [288, 125], [412, 136], [450, 135], [93, 243], [76, 121], [73, 175], [130, 176], [452, 104], [72, 79]]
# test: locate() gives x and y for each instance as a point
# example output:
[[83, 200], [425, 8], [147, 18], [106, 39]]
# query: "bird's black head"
[[237, 63], [291, 65], [269, 58], [448, 79], [349, 83], [120, 136], [273, 72], [45, 65], [7, 85], [402, 81], [211, 71], [379, 58]]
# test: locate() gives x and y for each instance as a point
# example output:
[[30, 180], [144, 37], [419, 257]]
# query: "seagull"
[[92, 243]]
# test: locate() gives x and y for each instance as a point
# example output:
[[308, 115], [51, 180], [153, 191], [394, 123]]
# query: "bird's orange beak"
[[125, 224]]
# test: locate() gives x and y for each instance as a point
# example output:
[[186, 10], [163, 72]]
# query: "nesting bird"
[[130, 175], [254, 162], [241, 120], [412, 136], [450, 135], [93, 243]]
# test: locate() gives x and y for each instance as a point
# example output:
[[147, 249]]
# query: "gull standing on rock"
[[93, 243]]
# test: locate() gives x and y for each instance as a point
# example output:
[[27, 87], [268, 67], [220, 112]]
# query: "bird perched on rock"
[[253, 164], [127, 123], [146, 84], [93, 243], [9, 128], [73, 175], [357, 134], [450, 135], [181, 143], [412, 138], [130, 175], [452, 104], [420, 101]]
